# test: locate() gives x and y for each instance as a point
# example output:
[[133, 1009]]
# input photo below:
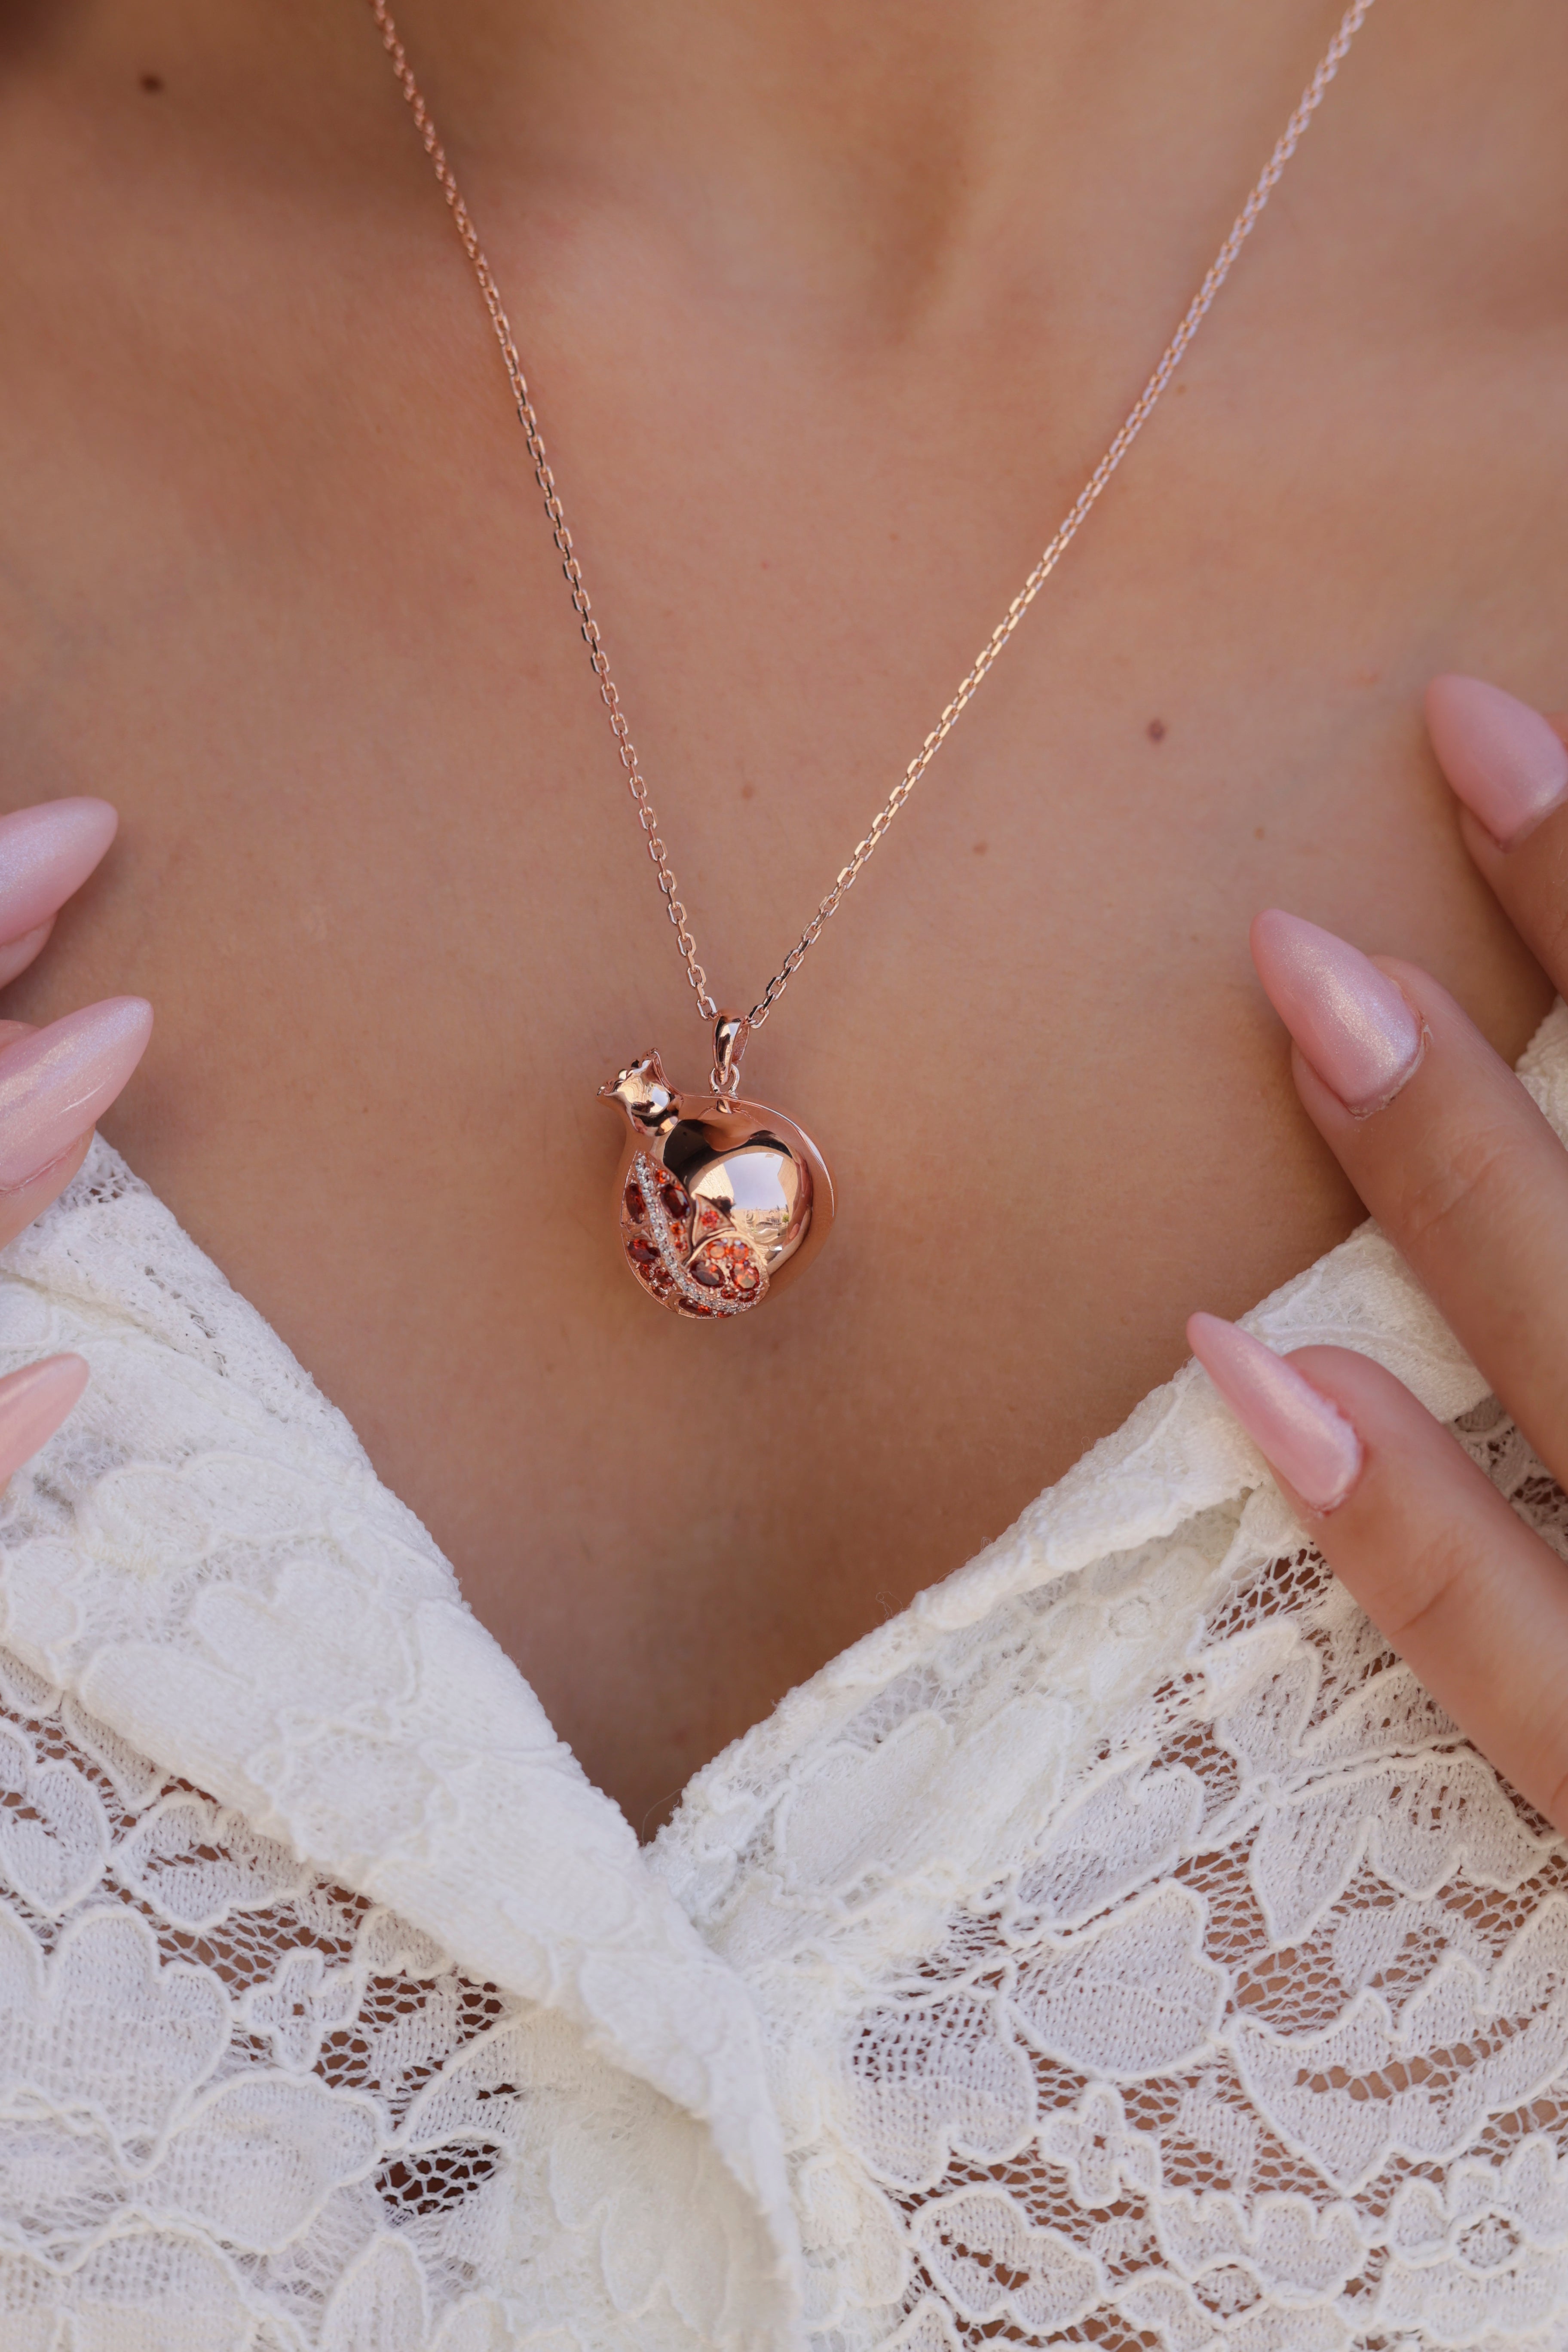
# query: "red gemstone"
[[641, 1253], [635, 1208], [747, 1278], [709, 1276], [675, 1200]]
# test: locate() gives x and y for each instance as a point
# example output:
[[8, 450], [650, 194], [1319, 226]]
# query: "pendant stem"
[[731, 1031]]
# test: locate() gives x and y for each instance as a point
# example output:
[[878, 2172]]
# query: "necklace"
[[722, 1200]]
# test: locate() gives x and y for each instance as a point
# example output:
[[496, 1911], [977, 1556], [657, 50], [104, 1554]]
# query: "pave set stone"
[[713, 1273]]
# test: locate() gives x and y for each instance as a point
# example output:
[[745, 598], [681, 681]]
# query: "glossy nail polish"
[[1308, 1440], [1502, 759], [1355, 1026], [55, 1085], [33, 1403], [46, 852]]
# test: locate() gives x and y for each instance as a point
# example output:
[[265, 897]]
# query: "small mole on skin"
[[152, 84], [748, 792], [1156, 731], [981, 847], [1257, 833]]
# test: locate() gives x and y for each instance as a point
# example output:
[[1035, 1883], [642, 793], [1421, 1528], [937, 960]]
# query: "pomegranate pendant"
[[721, 1200]]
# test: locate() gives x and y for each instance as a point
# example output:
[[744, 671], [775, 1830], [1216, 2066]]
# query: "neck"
[[861, 151]]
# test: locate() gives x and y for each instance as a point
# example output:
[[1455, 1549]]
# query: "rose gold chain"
[[1078, 513]]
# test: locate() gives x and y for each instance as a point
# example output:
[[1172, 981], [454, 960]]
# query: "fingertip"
[[1303, 1433], [1270, 930], [1277, 942], [57, 1083], [47, 852], [95, 822], [1207, 1334], [34, 1401], [1503, 760], [62, 1378], [1351, 1020], [16, 954], [134, 1013], [116, 1029], [108, 1040]]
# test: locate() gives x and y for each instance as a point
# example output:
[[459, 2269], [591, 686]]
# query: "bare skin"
[[828, 313]]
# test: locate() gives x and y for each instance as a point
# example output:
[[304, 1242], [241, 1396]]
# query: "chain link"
[[1067, 532]]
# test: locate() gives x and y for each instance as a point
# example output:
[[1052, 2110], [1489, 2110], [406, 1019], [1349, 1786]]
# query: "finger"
[[1447, 1149], [55, 1084], [18, 1208], [33, 1403], [1476, 1604], [45, 854], [1508, 767]]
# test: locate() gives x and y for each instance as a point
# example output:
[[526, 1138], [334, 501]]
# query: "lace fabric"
[[1249, 2029], [241, 2107], [1117, 1949]]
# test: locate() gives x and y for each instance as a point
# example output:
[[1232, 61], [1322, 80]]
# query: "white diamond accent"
[[663, 1237]]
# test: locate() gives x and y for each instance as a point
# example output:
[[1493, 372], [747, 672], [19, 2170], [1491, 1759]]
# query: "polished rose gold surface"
[[721, 1200]]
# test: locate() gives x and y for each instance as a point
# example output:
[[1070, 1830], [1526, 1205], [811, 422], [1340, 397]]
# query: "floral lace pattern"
[[1117, 1949], [241, 2107], [1255, 2034]]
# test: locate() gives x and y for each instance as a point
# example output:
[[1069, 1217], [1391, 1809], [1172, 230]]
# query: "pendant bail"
[[731, 1031]]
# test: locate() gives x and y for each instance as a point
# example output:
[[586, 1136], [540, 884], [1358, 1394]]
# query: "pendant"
[[720, 1200]]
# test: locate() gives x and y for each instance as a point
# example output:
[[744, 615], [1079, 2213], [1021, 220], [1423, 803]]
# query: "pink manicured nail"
[[1500, 755], [46, 852], [55, 1085], [16, 955], [1308, 1440], [33, 1403], [1351, 1021]]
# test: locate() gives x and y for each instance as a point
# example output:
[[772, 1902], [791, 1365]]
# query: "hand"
[[1471, 1184], [54, 1082]]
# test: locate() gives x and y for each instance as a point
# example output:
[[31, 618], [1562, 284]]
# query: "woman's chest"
[[380, 878]]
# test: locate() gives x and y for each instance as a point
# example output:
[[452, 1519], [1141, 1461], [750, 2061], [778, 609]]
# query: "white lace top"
[[1116, 1949]]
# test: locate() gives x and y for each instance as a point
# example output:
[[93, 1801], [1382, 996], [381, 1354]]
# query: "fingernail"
[[1349, 1020], [16, 955], [46, 852], [1308, 1440], [55, 1085], [1500, 756], [33, 1403]]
